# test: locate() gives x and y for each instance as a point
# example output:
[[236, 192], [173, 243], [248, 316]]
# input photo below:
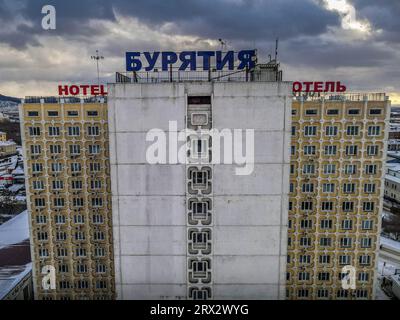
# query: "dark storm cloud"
[[383, 15], [246, 19]]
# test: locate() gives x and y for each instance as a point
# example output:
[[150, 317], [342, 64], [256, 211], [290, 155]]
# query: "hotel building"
[[336, 190], [68, 196]]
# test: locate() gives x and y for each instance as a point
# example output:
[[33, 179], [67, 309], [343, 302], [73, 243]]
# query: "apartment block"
[[65, 143], [336, 189]]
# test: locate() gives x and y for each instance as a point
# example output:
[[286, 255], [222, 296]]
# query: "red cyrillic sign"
[[318, 86], [83, 89]]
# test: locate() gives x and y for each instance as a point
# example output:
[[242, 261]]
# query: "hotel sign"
[[190, 60], [82, 89]]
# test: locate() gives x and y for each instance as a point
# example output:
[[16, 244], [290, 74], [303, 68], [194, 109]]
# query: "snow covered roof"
[[15, 258]]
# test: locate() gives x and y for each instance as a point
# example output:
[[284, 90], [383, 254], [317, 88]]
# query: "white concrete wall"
[[250, 212]]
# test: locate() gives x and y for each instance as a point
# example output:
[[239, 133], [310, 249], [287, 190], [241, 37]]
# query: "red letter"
[[102, 92], [84, 88], [318, 86], [329, 86], [62, 90], [297, 86], [340, 87], [74, 90], [308, 86], [94, 90]]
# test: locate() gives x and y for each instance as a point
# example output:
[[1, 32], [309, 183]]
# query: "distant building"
[[3, 136], [15, 259], [7, 148]]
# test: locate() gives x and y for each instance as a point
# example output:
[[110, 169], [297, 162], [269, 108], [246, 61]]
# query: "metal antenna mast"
[[97, 57]]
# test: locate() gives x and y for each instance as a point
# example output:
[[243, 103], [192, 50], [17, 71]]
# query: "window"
[[326, 224], [369, 188], [325, 242], [97, 202], [35, 149], [80, 235], [77, 202], [347, 224], [76, 184], [306, 205], [34, 131], [353, 130], [37, 167], [372, 150], [327, 205], [63, 268], [42, 236], [99, 252], [52, 113], [306, 224], [310, 131], [40, 202], [330, 150], [60, 219], [328, 187], [349, 187], [351, 150], [308, 169], [43, 252], [75, 149], [324, 259], [370, 169], [37, 185], [56, 167], [322, 293], [375, 111], [76, 167], [73, 131], [305, 259], [374, 130], [363, 277], [361, 293], [364, 260], [311, 112], [348, 206], [82, 284], [55, 148], [366, 242], [293, 130], [58, 184], [305, 242], [331, 131], [329, 169], [368, 206], [59, 202], [95, 184], [332, 112], [350, 169], [80, 252], [346, 242], [93, 131], [94, 149], [94, 166], [62, 252], [72, 113], [54, 131], [97, 219], [308, 187], [353, 112], [324, 276], [100, 268], [366, 224], [309, 150], [302, 293], [92, 113], [81, 268], [79, 219], [33, 113], [304, 276], [344, 260], [60, 236]]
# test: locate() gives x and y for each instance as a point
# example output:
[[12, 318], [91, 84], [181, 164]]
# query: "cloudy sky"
[[354, 41]]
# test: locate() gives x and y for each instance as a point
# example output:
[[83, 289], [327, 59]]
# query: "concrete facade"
[[248, 213]]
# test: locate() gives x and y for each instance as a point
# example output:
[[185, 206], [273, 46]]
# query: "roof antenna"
[[276, 49], [222, 43]]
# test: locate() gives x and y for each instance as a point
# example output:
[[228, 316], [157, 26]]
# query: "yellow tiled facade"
[[338, 150], [3, 136], [68, 193]]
